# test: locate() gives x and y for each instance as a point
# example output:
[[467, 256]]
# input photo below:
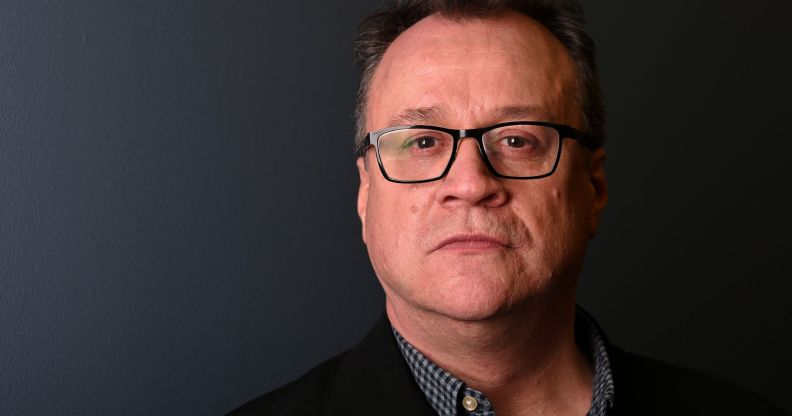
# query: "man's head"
[[472, 245]]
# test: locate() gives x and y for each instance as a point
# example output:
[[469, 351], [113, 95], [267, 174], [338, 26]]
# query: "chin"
[[470, 302], [467, 314]]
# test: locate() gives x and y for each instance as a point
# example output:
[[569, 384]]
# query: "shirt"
[[450, 396]]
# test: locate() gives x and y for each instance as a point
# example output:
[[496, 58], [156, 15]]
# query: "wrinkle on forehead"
[[471, 68], [436, 113]]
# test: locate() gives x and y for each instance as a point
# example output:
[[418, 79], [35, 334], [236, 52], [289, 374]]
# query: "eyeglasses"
[[513, 150]]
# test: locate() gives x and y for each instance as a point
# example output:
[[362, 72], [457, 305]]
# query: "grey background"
[[177, 223]]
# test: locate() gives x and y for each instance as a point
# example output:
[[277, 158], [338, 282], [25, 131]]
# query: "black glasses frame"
[[564, 131]]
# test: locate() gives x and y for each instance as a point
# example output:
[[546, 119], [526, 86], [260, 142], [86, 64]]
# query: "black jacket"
[[373, 379]]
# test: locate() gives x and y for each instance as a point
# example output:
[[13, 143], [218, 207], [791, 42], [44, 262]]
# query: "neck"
[[524, 360]]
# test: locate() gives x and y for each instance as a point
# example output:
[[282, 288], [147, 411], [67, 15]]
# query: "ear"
[[600, 187], [362, 200]]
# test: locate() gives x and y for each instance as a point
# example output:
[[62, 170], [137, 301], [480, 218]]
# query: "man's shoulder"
[[308, 395], [370, 378], [658, 387]]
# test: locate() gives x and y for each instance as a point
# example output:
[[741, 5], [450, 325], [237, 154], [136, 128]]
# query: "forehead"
[[474, 72]]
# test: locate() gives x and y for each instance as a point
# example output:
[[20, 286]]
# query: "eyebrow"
[[520, 112], [431, 114], [419, 115]]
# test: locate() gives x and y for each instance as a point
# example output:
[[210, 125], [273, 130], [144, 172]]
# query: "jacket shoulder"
[[308, 395], [642, 383], [362, 381]]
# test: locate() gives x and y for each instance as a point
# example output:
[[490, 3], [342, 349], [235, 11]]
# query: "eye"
[[416, 142], [425, 142], [514, 141]]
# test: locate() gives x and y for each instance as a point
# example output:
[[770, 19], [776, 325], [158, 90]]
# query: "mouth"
[[471, 243]]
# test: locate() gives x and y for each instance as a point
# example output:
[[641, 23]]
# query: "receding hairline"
[[520, 110]]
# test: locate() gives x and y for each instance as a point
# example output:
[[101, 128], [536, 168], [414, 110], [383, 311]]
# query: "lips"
[[471, 243]]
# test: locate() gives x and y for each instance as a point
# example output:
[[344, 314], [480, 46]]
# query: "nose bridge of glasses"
[[473, 133], [475, 136]]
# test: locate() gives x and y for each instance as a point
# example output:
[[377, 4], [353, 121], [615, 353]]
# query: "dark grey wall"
[[692, 263], [177, 222]]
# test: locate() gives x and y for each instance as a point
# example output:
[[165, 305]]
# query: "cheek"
[[393, 205], [395, 220], [570, 199], [539, 212], [554, 217]]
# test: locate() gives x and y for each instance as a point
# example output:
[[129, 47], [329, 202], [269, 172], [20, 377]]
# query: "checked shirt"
[[450, 396]]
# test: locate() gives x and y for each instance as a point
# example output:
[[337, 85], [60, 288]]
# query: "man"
[[481, 181]]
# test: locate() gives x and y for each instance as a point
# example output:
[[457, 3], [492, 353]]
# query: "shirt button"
[[470, 404]]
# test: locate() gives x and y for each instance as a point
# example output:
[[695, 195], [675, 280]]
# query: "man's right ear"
[[362, 200]]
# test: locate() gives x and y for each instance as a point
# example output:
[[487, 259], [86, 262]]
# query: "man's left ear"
[[599, 186]]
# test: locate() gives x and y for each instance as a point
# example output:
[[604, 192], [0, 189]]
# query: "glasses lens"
[[415, 154], [522, 150]]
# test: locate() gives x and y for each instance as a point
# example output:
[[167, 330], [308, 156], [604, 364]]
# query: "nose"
[[469, 181]]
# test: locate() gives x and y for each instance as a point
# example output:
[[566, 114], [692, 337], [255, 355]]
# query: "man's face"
[[471, 245]]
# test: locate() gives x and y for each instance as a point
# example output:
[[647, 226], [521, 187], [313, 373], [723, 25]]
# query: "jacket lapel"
[[374, 379]]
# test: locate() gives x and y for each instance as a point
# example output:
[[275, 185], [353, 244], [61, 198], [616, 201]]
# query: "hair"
[[563, 18]]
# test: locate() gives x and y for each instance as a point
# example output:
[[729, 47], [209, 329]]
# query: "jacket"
[[372, 378]]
